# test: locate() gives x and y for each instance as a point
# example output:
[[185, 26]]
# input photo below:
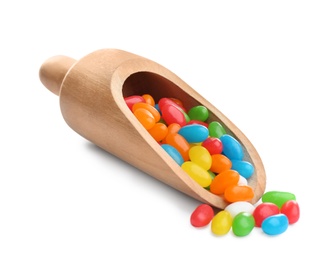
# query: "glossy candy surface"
[[202, 215], [264, 210], [243, 224], [221, 223], [278, 197], [240, 206], [194, 133], [174, 153], [244, 168], [213, 145], [275, 225], [231, 147], [197, 173], [216, 129], [235, 193], [292, 210], [200, 113], [223, 180], [201, 156]]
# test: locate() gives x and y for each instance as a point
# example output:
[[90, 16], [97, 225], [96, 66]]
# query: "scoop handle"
[[53, 71]]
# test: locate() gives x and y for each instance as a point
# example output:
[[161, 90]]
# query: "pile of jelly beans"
[[215, 160], [276, 211]]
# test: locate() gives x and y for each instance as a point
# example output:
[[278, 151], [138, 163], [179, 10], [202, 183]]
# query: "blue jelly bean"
[[275, 224], [244, 168], [231, 147], [174, 153], [194, 133]]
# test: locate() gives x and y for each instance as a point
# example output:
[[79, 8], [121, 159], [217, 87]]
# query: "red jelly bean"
[[131, 100], [202, 215], [292, 211], [213, 145], [172, 114], [264, 210]]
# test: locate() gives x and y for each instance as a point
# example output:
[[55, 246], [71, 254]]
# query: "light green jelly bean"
[[243, 224], [216, 129], [200, 113], [278, 197]]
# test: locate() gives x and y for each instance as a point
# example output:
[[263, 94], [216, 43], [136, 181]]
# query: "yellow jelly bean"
[[197, 173], [201, 156], [221, 223]]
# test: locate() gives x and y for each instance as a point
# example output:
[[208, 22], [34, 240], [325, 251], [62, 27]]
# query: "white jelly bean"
[[240, 206]]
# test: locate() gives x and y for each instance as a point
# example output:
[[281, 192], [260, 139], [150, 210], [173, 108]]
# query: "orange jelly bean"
[[180, 143], [148, 107], [224, 180], [149, 99], [145, 118], [220, 163], [234, 193], [158, 131]]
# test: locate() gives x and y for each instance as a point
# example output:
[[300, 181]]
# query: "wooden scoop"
[[92, 91]]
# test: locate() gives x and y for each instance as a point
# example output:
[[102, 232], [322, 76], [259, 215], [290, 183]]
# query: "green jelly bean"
[[200, 113], [243, 224], [278, 197], [216, 129]]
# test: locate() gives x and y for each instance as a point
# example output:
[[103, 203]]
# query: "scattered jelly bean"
[[275, 225], [235, 193], [244, 168], [194, 133], [213, 145], [220, 163], [221, 223], [175, 154], [278, 197], [202, 215], [197, 173], [264, 210], [145, 118], [240, 206], [201, 156], [231, 147], [131, 100], [292, 210], [243, 224], [223, 180], [198, 113]]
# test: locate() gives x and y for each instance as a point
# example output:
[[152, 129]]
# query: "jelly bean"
[[221, 223], [216, 129], [194, 133], [220, 163], [148, 107], [197, 173], [264, 210], [198, 113], [178, 102], [158, 131], [242, 181], [213, 145], [240, 206], [202, 215], [292, 210], [223, 180], [175, 154], [149, 99], [191, 122], [243, 224], [235, 193], [201, 156], [172, 114], [173, 128], [131, 100], [278, 197], [180, 144], [244, 168], [145, 118], [171, 101], [275, 225], [231, 147]]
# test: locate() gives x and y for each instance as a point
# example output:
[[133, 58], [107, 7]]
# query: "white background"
[[267, 65]]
